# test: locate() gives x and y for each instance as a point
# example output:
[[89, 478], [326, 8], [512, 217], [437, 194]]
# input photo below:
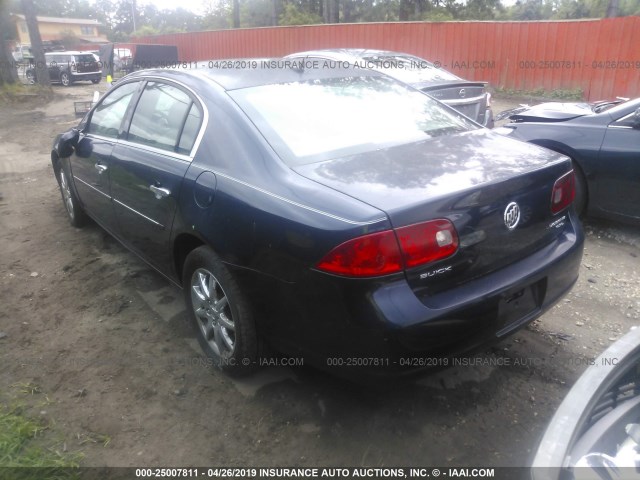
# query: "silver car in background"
[[468, 97]]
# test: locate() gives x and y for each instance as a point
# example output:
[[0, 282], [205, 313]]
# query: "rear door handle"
[[159, 191], [100, 168]]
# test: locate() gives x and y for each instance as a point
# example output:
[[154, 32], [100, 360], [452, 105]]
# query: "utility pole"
[[133, 14]]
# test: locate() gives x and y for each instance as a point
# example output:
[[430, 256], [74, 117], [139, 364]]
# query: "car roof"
[[350, 53], [258, 72], [416, 77], [67, 52]]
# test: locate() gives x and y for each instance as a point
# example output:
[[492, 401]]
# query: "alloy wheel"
[[66, 195], [213, 312]]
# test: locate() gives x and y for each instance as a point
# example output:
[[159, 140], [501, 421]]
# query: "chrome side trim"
[[159, 151], [292, 202], [92, 187], [135, 211]]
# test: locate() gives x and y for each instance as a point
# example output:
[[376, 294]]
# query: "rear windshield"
[[316, 120], [84, 58], [410, 69]]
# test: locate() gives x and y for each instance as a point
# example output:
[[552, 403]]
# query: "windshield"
[[320, 119]]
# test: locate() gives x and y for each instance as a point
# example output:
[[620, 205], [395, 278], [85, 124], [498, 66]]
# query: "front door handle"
[[159, 192], [100, 168]]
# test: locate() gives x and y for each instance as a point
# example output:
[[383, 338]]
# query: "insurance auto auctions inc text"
[[375, 472]]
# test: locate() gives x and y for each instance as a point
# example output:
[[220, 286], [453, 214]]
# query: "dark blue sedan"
[[330, 213]]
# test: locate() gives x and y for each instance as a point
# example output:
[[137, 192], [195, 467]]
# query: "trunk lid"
[[468, 178], [553, 112], [86, 63], [466, 97]]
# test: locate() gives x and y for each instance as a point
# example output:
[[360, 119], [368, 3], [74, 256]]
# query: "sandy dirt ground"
[[96, 343]]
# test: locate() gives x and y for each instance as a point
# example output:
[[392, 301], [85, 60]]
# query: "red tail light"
[[563, 193], [367, 256], [391, 251], [427, 242]]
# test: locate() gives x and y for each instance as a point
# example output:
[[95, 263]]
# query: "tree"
[[217, 15], [292, 15], [70, 40], [332, 11], [256, 13], [8, 73], [236, 13], [42, 72]]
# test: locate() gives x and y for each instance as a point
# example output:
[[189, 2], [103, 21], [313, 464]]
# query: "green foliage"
[[372, 11], [530, 10], [147, 30], [563, 94], [70, 40], [481, 10], [292, 15], [256, 13], [566, 9], [217, 16], [118, 18]]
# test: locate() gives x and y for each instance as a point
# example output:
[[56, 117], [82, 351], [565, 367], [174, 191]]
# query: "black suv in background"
[[69, 67]]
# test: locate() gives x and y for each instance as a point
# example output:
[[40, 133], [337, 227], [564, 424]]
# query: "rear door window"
[[160, 116], [190, 130]]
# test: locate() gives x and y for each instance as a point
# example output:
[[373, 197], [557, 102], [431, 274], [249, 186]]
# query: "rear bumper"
[[86, 76], [381, 326]]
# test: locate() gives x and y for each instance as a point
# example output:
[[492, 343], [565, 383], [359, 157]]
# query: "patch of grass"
[[16, 93], [27, 388], [94, 438], [28, 452], [569, 94]]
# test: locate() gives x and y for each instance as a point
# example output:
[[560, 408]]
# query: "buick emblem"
[[462, 93], [512, 215]]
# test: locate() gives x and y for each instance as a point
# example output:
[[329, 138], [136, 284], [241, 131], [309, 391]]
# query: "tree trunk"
[[333, 11], [403, 14], [236, 13], [8, 73], [612, 9], [42, 72], [275, 11], [346, 11]]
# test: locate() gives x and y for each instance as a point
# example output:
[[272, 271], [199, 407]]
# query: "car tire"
[[582, 196], [75, 213], [65, 79], [31, 77], [95, 81], [220, 314]]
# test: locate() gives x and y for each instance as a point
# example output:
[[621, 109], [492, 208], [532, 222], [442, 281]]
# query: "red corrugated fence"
[[600, 57]]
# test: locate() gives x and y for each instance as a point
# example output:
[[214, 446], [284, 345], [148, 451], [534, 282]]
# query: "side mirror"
[[66, 142], [635, 119]]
